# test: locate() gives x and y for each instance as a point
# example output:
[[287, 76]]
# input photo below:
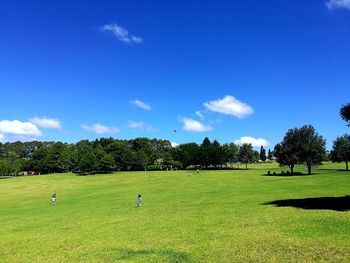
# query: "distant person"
[[54, 198], [138, 201]]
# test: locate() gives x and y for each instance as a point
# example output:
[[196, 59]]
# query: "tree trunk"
[[309, 169], [291, 168], [347, 167]]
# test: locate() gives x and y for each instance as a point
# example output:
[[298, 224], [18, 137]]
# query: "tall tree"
[[312, 146], [205, 152], [301, 146], [285, 152], [188, 154], [246, 154], [269, 155], [341, 150], [230, 153], [87, 157], [10, 164], [262, 154], [216, 154], [345, 113]]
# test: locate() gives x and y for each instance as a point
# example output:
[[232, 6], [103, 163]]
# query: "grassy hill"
[[216, 216]]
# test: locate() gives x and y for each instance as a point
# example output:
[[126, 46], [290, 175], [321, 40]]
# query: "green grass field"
[[218, 216]]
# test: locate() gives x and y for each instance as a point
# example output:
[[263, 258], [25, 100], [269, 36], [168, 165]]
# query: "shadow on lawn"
[[333, 170], [168, 255], [341, 203], [286, 174]]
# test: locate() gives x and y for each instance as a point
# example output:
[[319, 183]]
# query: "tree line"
[[299, 146], [108, 154]]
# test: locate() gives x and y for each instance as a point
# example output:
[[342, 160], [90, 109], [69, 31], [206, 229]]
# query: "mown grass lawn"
[[217, 216]]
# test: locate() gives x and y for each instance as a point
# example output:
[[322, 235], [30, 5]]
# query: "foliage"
[[269, 155], [341, 150], [246, 154], [262, 154], [345, 113], [301, 146]]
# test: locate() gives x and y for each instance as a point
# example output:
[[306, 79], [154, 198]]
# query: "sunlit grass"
[[216, 216]]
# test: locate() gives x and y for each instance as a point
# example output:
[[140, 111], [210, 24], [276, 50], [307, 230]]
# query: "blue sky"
[[226, 70]]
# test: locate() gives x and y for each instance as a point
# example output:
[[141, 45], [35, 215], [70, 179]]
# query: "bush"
[[154, 167]]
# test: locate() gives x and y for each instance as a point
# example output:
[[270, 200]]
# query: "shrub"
[[154, 167]]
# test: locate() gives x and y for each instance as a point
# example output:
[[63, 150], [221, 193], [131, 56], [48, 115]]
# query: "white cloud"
[[45, 122], [254, 142], [121, 34], [2, 137], [19, 128], [141, 126], [137, 39], [174, 144], [334, 4], [99, 128], [229, 105], [194, 126], [141, 104], [200, 114]]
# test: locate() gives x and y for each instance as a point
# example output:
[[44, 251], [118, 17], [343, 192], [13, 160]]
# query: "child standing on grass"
[[138, 201], [54, 198]]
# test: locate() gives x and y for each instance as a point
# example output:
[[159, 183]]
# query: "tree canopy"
[[345, 113], [108, 154], [246, 154], [341, 150], [301, 146]]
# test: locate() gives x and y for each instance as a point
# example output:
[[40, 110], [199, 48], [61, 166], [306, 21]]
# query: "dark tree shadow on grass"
[[288, 174], [334, 170], [341, 203]]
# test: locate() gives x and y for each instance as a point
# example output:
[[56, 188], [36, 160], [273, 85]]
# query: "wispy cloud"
[[141, 104], [99, 128], [229, 105], [253, 141], [2, 137], [121, 34], [141, 126], [200, 114], [335, 4], [194, 126], [19, 128], [45, 122]]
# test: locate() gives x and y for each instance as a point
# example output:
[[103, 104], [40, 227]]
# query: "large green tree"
[[206, 152], [230, 153], [262, 154], [10, 164], [187, 154], [86, 155], [216, 154], [246, 154], [345, 113], [301, 146], [341, 150], [312, 147]]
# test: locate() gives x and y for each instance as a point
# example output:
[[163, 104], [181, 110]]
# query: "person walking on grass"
[[138, 204], [54, 198]]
